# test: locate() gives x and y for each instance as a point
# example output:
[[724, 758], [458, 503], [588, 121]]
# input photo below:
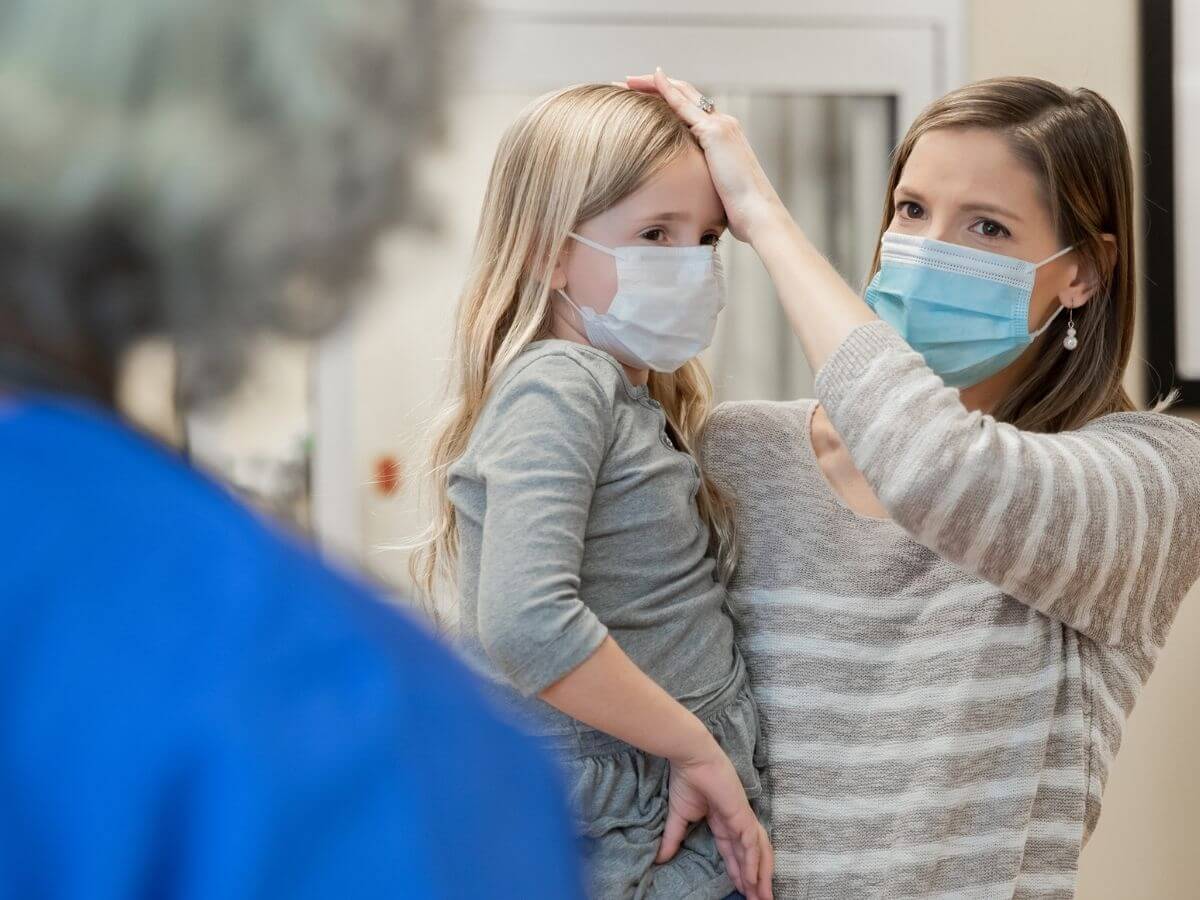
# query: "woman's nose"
[[939, 230]]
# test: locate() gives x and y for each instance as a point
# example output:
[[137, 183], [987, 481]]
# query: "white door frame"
[[914, 50]]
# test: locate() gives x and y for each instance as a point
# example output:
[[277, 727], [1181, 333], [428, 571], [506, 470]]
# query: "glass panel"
[[828, 158]]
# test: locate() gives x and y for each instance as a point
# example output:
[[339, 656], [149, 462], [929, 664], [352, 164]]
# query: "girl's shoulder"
[[571, 367]]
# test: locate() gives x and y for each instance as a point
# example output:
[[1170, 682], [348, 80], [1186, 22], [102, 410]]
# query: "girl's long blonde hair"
[[569, 156]]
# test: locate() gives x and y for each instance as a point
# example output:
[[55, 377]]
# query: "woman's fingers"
[[647, 83], [680, 95], [684, 107]]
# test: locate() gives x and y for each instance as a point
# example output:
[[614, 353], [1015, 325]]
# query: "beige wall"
[[1145, 847]]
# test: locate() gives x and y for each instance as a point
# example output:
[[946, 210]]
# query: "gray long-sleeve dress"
[[577, 519]]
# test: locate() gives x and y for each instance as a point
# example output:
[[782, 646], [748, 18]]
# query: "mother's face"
[[965, 186]]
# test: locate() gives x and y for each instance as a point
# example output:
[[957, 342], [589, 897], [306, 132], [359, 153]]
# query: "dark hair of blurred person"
[[191, 705]]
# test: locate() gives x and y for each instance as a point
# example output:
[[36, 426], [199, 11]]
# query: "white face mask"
[[666, 305]]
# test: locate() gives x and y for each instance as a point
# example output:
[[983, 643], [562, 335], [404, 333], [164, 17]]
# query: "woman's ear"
[[1086, 281]]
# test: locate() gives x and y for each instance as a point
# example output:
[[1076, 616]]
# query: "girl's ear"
[[1083, 286], [558, 278]]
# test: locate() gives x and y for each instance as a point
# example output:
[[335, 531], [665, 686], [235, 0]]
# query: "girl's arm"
[[610, 693], [540, 454]]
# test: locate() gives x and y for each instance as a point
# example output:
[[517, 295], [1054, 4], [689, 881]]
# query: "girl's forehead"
[[683, 186]]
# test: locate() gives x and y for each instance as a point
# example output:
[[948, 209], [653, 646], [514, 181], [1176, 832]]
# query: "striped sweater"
[[943, 691]]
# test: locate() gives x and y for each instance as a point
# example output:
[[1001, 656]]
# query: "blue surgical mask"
[[965, 310]]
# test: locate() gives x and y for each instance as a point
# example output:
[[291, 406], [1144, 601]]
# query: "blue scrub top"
[[193, 706]]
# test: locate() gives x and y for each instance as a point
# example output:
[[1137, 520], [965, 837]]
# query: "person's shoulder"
[[555, 383], [565, 364], [1174, 434], [756, 440], [743, 423], [183, 634], [140, 524], [198, 596], [1159, 440], [63, 451]]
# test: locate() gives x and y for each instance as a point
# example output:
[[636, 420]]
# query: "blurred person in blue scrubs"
[[191, 704]]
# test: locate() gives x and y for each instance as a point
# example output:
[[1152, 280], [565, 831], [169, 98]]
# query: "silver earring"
[[1070, 341]]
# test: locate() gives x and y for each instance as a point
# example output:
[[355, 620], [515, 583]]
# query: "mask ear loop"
[[1042, 330], [1063, 252], [572, 303], [1070, 341], [590, 243]]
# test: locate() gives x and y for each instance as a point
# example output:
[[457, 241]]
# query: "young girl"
[[586, 543]]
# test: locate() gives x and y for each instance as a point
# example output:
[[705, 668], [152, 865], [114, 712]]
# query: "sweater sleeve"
[[1098, 528], [539, 454]]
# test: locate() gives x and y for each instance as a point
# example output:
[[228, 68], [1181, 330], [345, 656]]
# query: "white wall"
[[1145, 846]]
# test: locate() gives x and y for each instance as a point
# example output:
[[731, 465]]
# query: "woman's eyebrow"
[[966, 207], [908, 192], [991, 208]]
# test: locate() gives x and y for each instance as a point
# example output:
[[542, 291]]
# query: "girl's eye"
[[711, 239], [652, 234], [990, 229], [910, 210]]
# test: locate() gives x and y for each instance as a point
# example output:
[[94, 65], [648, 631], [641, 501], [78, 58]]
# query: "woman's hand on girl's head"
[[708, 787], [751, 203]]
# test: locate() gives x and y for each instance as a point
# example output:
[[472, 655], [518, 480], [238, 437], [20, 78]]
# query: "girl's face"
[[677, 207], [965, 186]]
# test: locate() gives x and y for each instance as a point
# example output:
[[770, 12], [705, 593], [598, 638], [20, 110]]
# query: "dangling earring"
[[1070, 341]]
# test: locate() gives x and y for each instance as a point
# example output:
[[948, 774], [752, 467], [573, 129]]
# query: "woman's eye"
[[652, 234], [990, 229], [909, 209], [711, 239]]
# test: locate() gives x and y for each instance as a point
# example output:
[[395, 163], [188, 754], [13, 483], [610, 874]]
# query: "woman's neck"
[[990, 393]]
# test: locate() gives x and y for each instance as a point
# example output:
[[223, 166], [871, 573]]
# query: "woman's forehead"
[[965, 166]]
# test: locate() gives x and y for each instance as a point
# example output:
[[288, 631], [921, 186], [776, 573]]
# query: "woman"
[[959, 563]]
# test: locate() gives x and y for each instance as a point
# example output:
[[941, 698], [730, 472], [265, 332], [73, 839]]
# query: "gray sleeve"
[[548, 430], [1098, 528]]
